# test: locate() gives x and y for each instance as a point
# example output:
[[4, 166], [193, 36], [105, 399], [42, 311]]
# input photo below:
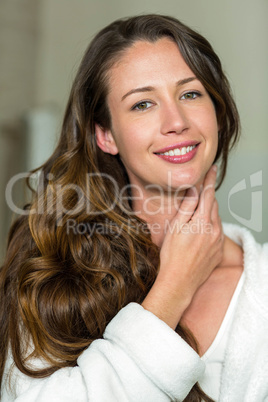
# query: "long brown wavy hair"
[[62, 280]]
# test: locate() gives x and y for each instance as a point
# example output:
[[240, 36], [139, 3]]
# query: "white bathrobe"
[[141, 359]]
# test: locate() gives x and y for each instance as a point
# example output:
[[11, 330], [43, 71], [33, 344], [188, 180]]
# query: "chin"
[[188, 181]]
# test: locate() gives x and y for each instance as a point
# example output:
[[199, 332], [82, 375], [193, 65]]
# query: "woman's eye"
[[142, 105], [190, 95]]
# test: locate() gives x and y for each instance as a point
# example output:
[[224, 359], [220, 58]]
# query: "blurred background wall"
[[41, 44]]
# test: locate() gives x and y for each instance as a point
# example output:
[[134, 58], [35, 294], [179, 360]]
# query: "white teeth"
[[178, 151]]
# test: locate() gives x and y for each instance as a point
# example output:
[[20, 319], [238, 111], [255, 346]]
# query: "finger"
[[211, 175], [207, 195], [216, 221], [188, 205], [215, 212]]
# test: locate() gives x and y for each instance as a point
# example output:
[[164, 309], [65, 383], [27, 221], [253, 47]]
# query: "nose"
[[173, 119]]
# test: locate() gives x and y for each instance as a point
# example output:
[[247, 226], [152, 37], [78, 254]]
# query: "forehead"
[[145, 62]]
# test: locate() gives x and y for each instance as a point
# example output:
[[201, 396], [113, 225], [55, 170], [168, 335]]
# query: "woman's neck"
[[158, 212]]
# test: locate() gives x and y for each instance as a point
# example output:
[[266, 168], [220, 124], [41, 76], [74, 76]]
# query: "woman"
[[119, 285]]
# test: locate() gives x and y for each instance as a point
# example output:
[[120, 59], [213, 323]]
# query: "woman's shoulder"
[[255, 262], [252, 250]]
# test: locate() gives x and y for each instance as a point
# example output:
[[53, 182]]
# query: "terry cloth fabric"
[[141, 359]]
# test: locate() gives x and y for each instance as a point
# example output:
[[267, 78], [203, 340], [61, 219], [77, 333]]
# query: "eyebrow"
[[150, 89]]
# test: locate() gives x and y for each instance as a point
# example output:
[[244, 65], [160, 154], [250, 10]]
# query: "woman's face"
[[164, 124]]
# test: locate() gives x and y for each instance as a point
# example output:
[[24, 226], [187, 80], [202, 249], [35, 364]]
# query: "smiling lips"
[[180, 153]]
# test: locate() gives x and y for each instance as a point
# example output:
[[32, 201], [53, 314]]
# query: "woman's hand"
[[192, 248]]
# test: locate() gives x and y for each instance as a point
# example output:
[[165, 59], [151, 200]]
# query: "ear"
[[105, 140]]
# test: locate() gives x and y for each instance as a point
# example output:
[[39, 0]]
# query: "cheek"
[[211, 126], [216, 133], [130, 136], [213, 141]]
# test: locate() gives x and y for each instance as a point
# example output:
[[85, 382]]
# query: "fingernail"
[[215, 168]]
